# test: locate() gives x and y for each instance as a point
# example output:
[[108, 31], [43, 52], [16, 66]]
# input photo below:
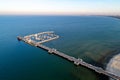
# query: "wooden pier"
[[76, 61]]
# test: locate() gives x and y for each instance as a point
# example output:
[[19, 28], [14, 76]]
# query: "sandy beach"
[[114, 65]]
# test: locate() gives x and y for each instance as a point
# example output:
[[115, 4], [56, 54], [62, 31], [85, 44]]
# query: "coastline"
[[109, 57], [117, 17], [113, 65]]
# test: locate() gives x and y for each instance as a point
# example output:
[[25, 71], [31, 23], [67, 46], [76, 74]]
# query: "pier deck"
[[76, 61]]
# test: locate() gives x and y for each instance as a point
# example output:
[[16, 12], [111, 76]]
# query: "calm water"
[[91, 38]]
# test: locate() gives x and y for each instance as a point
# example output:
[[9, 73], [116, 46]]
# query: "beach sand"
[[114, 65]]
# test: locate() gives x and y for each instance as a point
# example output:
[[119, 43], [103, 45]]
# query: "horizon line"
[[52, 14], [56, 13]]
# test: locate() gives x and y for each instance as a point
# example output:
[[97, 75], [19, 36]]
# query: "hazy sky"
[[64, 7]]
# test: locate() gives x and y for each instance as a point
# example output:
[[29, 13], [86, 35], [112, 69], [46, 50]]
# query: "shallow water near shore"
[[91, 38]]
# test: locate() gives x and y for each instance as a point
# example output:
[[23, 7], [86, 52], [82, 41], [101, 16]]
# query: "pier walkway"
[[76, 61]]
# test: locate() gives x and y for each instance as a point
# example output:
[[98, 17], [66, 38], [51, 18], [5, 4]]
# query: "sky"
[[60, 7]]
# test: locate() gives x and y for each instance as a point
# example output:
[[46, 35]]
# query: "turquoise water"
[[91, 38]]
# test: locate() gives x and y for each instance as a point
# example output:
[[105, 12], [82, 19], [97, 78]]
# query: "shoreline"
[[117, 17], [113, 65], [109, 61], [110, 57]]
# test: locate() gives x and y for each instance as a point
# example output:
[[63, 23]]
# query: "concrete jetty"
[[39, 38]]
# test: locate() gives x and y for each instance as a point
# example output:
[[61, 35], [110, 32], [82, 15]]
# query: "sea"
[[92, 38]]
